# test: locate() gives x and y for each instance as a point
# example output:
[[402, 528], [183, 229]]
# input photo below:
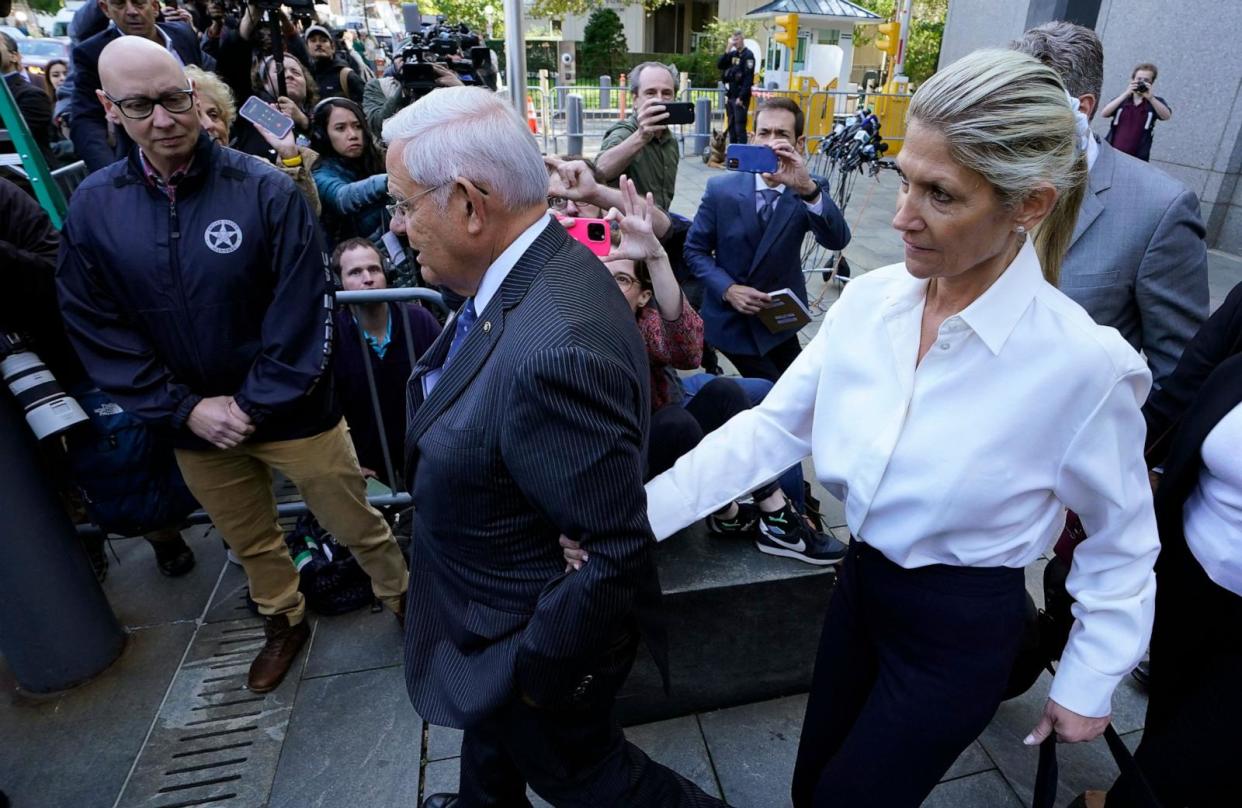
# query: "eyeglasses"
[[624, 281], [401, 208], [139, 107]]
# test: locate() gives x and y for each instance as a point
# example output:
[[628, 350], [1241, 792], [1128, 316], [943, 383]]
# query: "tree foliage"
[[45, 6], [604, 48], [472, 13], [926, 32], [560, 9]]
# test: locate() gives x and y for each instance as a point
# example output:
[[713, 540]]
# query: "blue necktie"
[[770, 195], [465, 319]]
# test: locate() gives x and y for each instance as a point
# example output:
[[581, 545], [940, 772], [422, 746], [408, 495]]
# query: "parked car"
[[36, 53]]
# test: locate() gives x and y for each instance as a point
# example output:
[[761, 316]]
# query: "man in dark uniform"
[[737, 68]]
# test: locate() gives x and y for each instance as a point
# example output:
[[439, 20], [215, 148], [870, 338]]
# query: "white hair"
[[473, 133]]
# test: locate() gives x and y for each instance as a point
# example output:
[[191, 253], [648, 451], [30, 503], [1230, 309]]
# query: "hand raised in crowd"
[[286, 147], [1069, 726], [219, 421], [746, 299], [638, 240], [571, 179], [791, 170], [179, 15], [288, 107], [650, 113]]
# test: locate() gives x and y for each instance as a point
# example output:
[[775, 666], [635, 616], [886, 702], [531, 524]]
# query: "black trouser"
[[571, 756], [737, 119], [675, 429], [911, 667], [1191, 743], [771, 365]]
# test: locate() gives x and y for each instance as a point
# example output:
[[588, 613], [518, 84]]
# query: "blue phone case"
[[754, 159]]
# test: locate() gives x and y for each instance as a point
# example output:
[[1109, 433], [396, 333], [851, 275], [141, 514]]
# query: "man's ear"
[[476, 206], [110, 110], [800, 145], [1088, 103]]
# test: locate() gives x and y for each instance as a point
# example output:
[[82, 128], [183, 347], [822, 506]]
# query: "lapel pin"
[[487, 326]]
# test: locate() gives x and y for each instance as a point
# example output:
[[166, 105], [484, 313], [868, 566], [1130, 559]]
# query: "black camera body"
[[1142, 86], [450, 45]]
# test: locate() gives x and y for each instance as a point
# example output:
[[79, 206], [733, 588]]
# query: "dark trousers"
[[1191, 745], [911, 667], [737, 119], [771, 365], [675, 429], [571, 756]]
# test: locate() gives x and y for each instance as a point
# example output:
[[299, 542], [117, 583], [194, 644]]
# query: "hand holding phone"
[[594, 233], [260, 114], [751, 159]]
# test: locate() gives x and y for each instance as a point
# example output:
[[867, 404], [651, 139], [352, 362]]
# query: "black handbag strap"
[[1046, 776]]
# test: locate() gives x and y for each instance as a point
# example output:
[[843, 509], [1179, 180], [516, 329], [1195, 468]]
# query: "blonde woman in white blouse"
[[957, 404]]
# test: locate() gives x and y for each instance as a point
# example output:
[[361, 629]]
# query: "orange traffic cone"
[[531, 121]]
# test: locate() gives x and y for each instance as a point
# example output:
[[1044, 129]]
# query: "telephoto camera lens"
[[596, 231], [48, 410]]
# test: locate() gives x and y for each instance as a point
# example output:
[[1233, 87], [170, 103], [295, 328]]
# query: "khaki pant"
[[234, 486]]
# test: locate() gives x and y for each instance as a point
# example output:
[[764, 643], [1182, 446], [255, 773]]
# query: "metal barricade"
[[397, 497]]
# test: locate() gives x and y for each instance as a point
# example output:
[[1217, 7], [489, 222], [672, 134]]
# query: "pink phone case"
[[582, 231]]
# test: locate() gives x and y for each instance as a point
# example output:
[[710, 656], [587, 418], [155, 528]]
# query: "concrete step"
[[742, 627]]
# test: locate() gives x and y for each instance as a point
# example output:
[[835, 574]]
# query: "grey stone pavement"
[[341, 732]]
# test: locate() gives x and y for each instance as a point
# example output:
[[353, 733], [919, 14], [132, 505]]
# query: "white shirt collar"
[[167, 39], [504, 263], [760, 185], [996, 312], [1093, 151]]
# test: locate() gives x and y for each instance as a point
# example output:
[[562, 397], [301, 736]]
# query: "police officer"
[[737, 68]]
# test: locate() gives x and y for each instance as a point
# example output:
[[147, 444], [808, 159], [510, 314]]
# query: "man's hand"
[[747, 300], [575, 556], [638, 240], [791, 170], [179, 15], [1069, 726], [571, 179], [445, 77], [220, 422], [650, 113], [286, 147]]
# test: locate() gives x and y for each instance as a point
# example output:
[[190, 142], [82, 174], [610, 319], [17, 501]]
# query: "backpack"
[[329, 576], [125, 469]]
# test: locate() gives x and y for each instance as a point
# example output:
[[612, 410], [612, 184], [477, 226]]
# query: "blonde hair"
[[1006, 116], [212, 88]]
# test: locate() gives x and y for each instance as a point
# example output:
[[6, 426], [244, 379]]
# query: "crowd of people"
[[571, 409]]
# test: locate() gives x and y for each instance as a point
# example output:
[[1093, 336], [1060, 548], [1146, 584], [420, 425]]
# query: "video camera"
[[441, 43]]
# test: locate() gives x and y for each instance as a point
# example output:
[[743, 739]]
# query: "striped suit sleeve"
[[573, 444]]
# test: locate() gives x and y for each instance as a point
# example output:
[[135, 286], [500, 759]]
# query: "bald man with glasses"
[[194, 287], [88, 128]]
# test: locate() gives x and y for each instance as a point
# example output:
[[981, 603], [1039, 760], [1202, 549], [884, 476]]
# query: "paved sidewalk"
[[169, 725]]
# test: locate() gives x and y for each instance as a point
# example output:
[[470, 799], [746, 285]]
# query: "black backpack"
[[330, 578]]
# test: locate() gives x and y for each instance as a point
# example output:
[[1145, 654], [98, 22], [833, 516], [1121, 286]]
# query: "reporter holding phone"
[[641, 146], [746, 242]]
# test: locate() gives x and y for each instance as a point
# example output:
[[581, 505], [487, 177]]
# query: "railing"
[[397, 498]]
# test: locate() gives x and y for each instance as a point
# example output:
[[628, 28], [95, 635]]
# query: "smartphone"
[[678, 112], [260, 113], [754, 159], [594, 233]]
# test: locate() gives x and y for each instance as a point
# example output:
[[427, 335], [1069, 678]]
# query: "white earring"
[[1020, 229]]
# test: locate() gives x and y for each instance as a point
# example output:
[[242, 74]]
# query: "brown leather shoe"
[[274, 660]]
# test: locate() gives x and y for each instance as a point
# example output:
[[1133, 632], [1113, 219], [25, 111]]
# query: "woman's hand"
[[1069, 726], [638, 241], [286, 106], [575, 556], [286, 147]]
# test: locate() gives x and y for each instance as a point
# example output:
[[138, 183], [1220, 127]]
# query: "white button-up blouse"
[[1023, 406]]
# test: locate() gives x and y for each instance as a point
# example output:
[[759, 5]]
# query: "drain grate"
[[214, 742]]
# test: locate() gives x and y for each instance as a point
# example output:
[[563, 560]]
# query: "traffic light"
[[889, 38], [789, 35]]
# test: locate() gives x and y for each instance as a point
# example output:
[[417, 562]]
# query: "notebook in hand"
[[785, 313]]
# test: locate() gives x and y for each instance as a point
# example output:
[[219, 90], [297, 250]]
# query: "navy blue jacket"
[[88, 128], [225, 292], [726, 246]]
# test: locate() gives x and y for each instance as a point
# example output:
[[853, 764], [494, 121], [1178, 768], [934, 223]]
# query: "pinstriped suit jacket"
[[537, 427]]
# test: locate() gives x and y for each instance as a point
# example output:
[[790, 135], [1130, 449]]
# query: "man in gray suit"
[[1137, 260], [528, 420]]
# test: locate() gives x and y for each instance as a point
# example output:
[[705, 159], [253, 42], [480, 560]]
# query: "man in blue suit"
[[88, 128], [528, 419], [746, 242]]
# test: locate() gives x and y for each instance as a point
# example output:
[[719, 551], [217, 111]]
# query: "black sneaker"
[[784, 533], [743, 522]]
